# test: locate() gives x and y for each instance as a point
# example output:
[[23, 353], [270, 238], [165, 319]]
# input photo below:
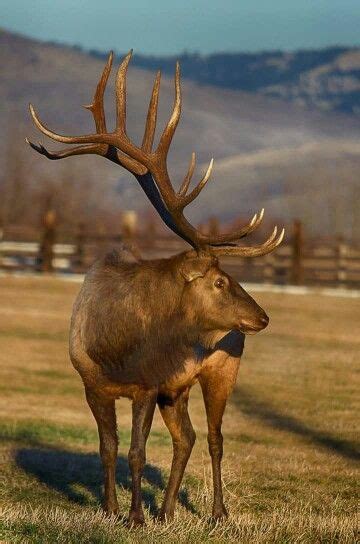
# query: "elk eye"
[[219, 283]]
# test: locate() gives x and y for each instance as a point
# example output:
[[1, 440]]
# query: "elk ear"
[[195, 268]]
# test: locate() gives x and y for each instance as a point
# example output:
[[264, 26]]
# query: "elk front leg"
[[103, 410], [142, 415], [176, 418], [217, 384]]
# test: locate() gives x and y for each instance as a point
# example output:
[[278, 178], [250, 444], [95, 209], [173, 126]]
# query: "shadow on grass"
[[76, 475], [249, 404]]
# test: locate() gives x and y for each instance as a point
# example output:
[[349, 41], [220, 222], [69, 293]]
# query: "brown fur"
[[148, 330]]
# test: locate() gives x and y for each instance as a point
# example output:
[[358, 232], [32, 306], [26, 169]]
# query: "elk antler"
[[150, 167]]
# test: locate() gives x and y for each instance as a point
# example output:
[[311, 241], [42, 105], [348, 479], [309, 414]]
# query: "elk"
[[149, 329]]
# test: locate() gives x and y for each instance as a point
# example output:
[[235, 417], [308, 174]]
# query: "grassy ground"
[[290, 432]]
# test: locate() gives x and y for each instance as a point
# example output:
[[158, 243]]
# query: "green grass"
[[25, 334], [291, 433], [42, 433]]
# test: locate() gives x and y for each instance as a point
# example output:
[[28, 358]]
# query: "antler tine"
[[185, 184], [170, 128], [196, 191], [62, 154], [232, 237], [121, 94], [254, 223], [150, 126], [88, 139], [267, 247], [97, 105], [97, 109]]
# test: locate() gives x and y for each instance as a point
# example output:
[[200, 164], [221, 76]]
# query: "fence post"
[[149, 233], [46, 250], [341, 253], [213, 226], [269, 269], [1, 239], [297, 272], [130, 232], [129, 224]]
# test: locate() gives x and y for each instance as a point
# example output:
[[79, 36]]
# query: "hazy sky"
[[166, 26]]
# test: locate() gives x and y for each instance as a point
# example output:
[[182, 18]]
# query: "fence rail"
[[334, 263]]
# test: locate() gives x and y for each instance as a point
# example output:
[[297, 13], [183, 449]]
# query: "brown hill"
[[317, 181]]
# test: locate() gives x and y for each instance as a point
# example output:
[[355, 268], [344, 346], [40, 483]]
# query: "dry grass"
[[290, 432]]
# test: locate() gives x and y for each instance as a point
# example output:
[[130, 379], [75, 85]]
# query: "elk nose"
[[264, 320]]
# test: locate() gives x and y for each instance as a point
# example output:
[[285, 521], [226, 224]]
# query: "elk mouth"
[[247, 327]]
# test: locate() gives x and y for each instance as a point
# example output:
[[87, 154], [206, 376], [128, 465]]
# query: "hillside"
[[325, 79], [232, 126], [316, 181]]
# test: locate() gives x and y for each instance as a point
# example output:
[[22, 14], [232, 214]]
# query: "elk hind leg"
[[103, 410]]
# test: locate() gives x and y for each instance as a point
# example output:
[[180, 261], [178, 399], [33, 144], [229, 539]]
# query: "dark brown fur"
[[149, 330]]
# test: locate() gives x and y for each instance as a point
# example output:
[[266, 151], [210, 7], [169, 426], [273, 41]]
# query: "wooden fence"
[[298, 262]]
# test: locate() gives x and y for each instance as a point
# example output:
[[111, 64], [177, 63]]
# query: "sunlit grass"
[[287, 525]]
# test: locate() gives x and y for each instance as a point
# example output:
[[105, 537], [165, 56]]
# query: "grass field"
[[290, 432]]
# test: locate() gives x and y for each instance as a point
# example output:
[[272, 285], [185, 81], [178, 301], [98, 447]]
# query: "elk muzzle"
[[252, 326]]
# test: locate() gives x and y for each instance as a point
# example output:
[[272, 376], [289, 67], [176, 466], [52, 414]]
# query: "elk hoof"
[[219, 514], [112, 510], [163, 517], [136, 519]]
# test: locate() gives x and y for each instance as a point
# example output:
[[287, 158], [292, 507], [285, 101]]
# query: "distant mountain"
[[327, 79], [295, 160]]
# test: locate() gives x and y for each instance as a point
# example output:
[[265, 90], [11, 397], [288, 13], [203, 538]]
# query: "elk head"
[[214, 302], [150, 169]]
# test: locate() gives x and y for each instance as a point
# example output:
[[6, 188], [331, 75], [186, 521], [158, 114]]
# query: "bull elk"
[[148, 330]]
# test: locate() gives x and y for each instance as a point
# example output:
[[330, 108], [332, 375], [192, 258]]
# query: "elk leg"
[[103, 410], [142, 415], [177, 420], [216, 386]]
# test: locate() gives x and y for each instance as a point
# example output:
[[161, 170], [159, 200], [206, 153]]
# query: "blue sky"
[[167, 27]]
